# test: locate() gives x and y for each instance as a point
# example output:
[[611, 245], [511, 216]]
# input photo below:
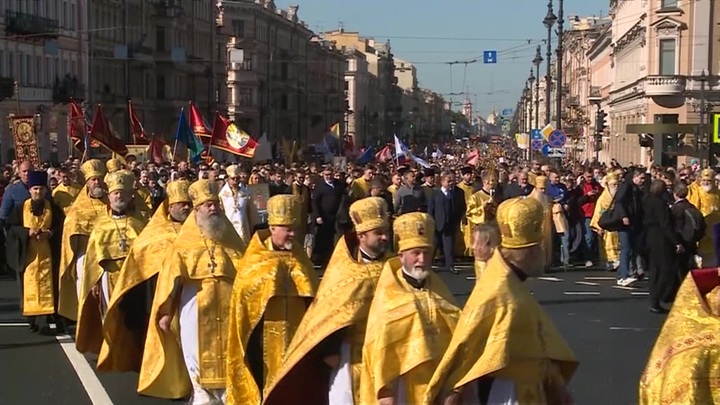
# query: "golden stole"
[[38, 296]]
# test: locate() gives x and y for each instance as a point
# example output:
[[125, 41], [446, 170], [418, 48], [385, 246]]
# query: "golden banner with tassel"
[[25, 138]]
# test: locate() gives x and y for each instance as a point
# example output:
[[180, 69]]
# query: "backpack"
[[695, 226]]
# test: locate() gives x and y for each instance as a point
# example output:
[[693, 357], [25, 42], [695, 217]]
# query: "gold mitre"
[[177, 192], [93, 168], [232, 171], [113, 165], [520, 221], [121, 180], [610, 179], [368, 214], [541, 181], [203, 191], [414, 230], [283, 210], [707, 174]]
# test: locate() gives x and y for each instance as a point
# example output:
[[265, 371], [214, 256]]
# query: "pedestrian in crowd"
[[326, 200], [628, 207], [691, 227], [409, 196], [447, 207], [591, 192], [486, 238]]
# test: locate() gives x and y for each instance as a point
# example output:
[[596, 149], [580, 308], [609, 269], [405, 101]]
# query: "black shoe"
[[658, 310], [454, 270], [34, 328]]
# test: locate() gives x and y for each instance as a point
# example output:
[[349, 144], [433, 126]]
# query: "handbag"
[[608, 220]]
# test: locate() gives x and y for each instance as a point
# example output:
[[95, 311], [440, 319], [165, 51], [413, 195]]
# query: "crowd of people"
[[180, 274]]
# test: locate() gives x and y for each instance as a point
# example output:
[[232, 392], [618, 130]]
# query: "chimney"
[[292, 12]]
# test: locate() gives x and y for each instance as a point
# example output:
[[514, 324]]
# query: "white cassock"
[[236, 211]]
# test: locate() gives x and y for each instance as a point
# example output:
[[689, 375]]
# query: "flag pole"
[[176, 133]]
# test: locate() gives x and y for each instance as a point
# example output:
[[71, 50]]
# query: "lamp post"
[[560, 23], [549, 21], [531, 80], [703, 133], [537, 61], [528, 99]]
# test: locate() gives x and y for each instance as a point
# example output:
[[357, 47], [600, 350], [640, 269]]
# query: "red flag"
[[102, 132], [136, 127], [228, 137], [473, 158], [207, 156], [159, 150], [384, 155], [197, 124], [77, 128]]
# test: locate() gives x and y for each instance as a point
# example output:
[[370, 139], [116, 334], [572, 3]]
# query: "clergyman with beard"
[[80, 218], [185, 347], [411, 319], [327, 347], [108, 246], [610, 240], [128, 313], [278, 284], [506, 349]]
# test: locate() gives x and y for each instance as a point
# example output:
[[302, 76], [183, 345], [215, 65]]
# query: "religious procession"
[[312, 283]]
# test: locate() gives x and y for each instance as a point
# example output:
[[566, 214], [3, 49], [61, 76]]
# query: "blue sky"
[[461, 31]]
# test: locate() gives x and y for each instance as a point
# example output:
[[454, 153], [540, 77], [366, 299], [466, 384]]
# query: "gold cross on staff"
[[212, 266]]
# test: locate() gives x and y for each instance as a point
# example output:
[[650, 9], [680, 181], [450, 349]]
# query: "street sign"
[[507, 112], [547, 131], [545, 149], [536, 144], [489, 56], [716, 128], [536, 134], [557, 139], [556, 152]]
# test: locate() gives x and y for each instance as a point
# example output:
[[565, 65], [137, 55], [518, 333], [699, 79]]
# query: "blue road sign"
[[545, 149], [536, 134], [507, 112], [489, 56], [557, 139], [536, 144]]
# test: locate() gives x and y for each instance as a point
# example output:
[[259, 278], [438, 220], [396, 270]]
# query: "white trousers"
[[79, 271], [189, 343], [341, 379]]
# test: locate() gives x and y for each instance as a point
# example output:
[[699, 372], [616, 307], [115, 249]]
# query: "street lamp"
[[560, 86], [537, 61], [531, 80], [548, 21], [528, 99]]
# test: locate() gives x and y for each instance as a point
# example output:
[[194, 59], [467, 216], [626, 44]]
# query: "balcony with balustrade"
[[30, 25], [664, 85]]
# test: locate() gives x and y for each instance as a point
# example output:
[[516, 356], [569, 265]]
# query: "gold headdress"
[[93, 168], [232, 171], [541, 181], [707, 174], [610, 179], [177, 192], [369, 213], [203, 191], [414, 230], [283, 210], [113, 165], [521, 222], [121, 180]]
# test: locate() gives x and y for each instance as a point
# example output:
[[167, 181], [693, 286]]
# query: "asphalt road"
[[609, 328]]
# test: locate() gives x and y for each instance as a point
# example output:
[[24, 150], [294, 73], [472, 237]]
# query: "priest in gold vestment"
[[66, 192], [185, 348], [684, 365], [506, 350], [539, 194], [108, 246], [127, 317], [706, 198], [469, 187], [269, 300], [411, 319], [482, 204], [80, 219], [33, 234], [325, 357]]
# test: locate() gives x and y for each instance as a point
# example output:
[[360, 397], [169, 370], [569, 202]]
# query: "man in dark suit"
[[447, 207], [326, 199]]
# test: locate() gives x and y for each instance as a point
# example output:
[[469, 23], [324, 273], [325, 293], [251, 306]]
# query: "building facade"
[[357, 86]]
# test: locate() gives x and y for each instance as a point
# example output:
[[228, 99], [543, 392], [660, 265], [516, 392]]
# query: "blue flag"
[[185, 136], [366, 157]]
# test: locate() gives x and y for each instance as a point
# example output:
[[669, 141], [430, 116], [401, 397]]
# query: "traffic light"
[[600, 122], [7, 88]]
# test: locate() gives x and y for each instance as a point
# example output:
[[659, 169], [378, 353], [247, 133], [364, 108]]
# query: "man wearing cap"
[[34, 231], [706, 198], [268, 302], [325, 355], [126, 320], [411, 319], [234, 199], [108, 246], [506, 350], [185, 348], [463, 243], [80, 219]]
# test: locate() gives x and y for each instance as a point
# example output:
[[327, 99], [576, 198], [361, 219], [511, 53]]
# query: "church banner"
[[25, 138]]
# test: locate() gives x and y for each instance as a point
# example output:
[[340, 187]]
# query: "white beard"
[[418, 273], [120, 206], [212, 227], [97, 192], [707, 188]]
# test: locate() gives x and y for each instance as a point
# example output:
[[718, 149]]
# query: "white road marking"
[[14, 324], [640, 293], [470, 278], [631, 328], [600, 278], [92, 385], [621, 287], [586, 283], [581, 292], [553, 279]]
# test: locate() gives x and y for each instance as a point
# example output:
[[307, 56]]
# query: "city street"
[[608, 327]]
